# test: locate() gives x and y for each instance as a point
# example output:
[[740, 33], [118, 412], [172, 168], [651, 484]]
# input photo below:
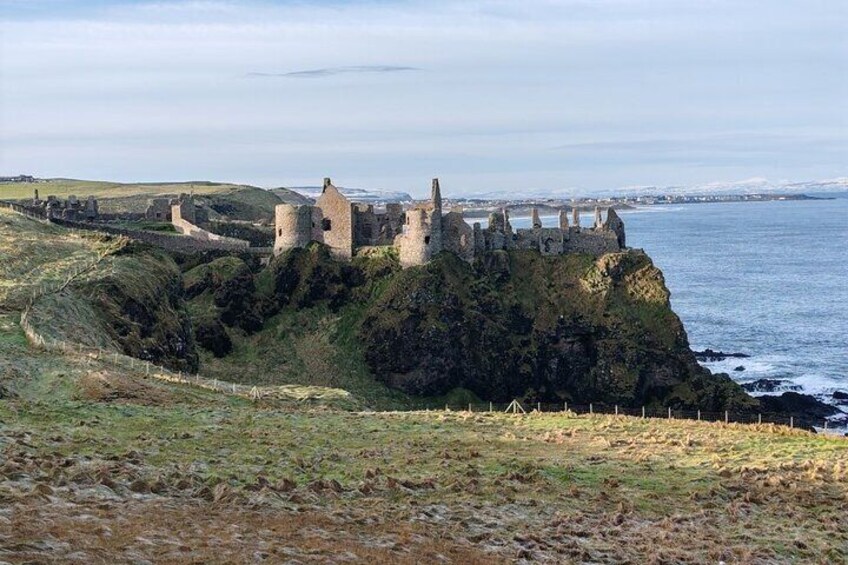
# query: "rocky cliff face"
[[512, 325], [517, 324]]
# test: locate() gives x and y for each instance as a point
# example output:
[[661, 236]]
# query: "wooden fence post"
[[669, 412], [759, 418], [591, 409], [538, 407], [726, 417], [791, 421], [643, 412], [616, 409], [490, 406]]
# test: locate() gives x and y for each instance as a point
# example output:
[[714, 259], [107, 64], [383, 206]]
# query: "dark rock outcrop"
[[711, 356], [518, 324], [769, 385], [212, 336], [806, 410]]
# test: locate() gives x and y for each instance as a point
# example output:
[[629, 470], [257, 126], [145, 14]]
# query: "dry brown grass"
[[199, 532], [118, 387]]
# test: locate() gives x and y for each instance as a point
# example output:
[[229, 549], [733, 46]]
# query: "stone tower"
[[422, 236], [435, 218], [535, 220], [599, 223], [563, 220], [293, 227]]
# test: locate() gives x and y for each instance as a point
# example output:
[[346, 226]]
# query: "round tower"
[[415, 244], [292, 227]]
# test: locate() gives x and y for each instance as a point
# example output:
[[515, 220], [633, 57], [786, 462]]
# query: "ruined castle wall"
[[458, 236], [293, 227], [548, 241], [366, 225], [615, 224], [184, 209], [159, 209], [592, 242], [195, 232], [337, 223], [170, 242]]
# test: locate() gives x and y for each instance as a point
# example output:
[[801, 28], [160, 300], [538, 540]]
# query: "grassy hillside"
[[241, 201]]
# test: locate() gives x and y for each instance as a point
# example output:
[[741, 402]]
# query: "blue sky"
[[568, 96]]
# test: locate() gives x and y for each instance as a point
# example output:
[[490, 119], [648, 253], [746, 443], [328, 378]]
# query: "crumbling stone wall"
[[168, 242], [159, 209], [457, 236], [182, 215], [337, 223], [376, 228]]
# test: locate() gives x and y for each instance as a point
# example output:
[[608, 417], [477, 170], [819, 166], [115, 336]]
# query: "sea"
[[767, 279]]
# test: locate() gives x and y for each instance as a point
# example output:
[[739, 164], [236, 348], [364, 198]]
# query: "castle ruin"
[[422, 231], [72, 209]]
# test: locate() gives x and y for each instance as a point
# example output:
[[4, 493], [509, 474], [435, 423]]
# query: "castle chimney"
[[536, 221], [436, 195], [575, 217], [327, 182], [563, 220], [599, 223]]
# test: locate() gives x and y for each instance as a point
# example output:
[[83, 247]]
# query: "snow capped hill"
[[356, 194]]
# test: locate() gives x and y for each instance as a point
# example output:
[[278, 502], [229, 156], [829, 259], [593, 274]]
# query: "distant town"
[[473, 207]]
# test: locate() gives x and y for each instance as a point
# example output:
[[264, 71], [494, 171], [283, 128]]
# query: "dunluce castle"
[[424, 230]]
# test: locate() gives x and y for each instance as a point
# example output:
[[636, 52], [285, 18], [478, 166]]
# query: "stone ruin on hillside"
[[163, 209], [423, 230], [72, 209]]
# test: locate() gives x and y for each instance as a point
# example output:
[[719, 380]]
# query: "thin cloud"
[[331, 71]]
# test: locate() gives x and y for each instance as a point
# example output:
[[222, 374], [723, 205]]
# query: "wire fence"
[[645, 412]]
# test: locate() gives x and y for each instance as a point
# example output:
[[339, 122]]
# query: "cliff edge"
[[517, 324]]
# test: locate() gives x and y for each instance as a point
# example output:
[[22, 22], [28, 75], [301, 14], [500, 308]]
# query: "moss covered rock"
[[519, 324]]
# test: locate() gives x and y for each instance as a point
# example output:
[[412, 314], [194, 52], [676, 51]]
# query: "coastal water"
[[769, 279]]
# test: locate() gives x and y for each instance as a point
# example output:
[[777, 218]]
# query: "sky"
[[571, 96]]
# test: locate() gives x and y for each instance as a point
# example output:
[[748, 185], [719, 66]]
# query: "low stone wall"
[[29, 212], [177, 243], [197, 233]]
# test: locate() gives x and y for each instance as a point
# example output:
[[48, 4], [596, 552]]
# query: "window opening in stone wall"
[[427, 239], [326, 224]]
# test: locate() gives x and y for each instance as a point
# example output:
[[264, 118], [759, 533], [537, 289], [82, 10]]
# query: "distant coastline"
[[548, 207]]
